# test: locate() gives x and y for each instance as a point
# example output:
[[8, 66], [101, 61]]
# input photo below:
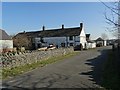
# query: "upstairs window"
[[71, 38]]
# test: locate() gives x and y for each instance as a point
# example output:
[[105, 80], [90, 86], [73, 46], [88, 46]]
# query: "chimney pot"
[[62, 26], [23, 31], [81, 25], [43, 28]]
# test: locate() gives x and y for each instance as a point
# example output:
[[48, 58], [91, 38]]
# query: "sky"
[[31, 16], [58, 0]]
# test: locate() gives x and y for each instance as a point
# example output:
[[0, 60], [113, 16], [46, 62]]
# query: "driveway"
[[81, 71]]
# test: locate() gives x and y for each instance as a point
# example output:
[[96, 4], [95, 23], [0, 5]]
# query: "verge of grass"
[[111, 78], [21, 69]]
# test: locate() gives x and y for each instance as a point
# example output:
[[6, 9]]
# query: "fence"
[[14, 60]]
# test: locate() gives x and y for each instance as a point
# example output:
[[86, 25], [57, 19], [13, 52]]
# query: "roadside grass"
[[111, 78], [6, 73]]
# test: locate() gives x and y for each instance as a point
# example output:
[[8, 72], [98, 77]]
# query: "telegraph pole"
[[119, 24]]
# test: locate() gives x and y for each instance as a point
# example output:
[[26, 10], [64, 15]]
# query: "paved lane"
[[81, 71]]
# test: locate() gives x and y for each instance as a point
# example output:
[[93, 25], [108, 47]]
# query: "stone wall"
[[13, 60]]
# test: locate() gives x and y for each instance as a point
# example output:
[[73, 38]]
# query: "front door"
[[39, 45]]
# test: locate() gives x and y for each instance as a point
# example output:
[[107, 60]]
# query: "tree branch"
[[110, 21], [112, 9]]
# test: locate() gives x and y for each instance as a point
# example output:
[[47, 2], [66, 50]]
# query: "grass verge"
[[111, 78], [21, 69]]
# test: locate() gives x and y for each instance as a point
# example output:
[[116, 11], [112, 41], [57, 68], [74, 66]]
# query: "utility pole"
[[119, 24]]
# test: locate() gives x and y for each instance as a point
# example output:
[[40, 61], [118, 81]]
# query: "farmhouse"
[[6, 43], [62, 37]]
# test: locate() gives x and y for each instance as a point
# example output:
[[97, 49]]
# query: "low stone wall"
[[13, 60]]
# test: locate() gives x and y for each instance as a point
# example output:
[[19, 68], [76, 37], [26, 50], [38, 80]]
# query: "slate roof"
[[4, 35], [91, 41], [54, 32], [99, 39]]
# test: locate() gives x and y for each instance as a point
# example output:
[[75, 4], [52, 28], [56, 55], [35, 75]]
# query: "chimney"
[[62, 26], [23, 31], [43, 28], [81, 25]]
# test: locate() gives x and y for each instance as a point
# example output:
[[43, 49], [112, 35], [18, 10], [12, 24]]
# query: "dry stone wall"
[[13, 60]]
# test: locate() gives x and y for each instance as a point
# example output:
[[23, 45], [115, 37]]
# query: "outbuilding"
[[6, 42]]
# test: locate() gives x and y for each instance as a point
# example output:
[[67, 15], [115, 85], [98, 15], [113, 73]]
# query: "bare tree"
[[12, 35], [104, 36], [22, 41], [113, 19], [115, 33]]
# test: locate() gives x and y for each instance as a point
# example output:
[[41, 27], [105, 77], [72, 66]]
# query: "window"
[[71, 44], [62, 44], [71, 38]]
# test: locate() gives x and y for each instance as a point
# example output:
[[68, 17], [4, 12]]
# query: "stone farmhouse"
[[6, 42], [61, 37]]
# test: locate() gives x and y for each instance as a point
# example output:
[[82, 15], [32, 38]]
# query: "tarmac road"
[[81, 71]]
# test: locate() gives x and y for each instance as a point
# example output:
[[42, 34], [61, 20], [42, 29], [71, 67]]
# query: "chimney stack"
[[43, 28], [81, 25], [23, 31], [62, 26]]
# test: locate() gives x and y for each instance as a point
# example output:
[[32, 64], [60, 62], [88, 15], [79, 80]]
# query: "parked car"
[[51, 47], [99, 45], [43, 49], [78, 47]]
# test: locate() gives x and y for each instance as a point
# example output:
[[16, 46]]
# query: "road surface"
[[81, 71]]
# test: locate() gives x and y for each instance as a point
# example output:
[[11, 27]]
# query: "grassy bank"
[[111, 78], [21, 69]]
